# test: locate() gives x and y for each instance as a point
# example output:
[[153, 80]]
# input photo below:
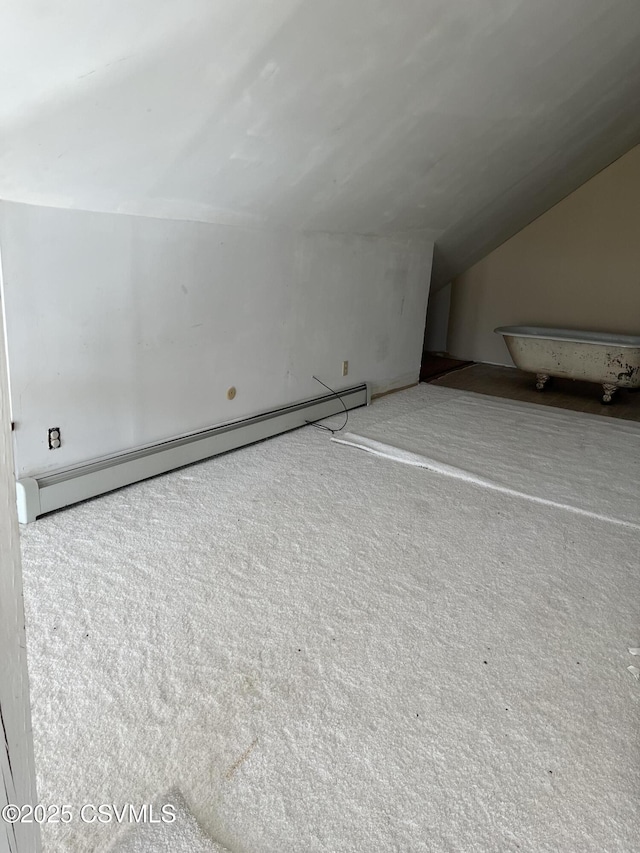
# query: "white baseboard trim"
[[38, 495]]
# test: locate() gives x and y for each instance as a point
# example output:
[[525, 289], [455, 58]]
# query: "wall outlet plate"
[[54, 437], [345, 368]]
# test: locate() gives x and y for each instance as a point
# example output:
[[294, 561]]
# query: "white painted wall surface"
[[459, 118], [17, 772], [126, 330]]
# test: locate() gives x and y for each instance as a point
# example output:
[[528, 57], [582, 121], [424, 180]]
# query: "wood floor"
[[434, 364], [562, 393]]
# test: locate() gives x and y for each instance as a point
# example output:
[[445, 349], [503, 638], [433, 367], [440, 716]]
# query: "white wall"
[[463, 119], [126, 330]]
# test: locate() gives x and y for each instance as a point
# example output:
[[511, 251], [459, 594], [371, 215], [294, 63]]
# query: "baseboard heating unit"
[[41, 494]]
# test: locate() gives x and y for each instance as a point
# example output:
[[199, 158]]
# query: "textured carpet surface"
[[179, 834], [329, 651], [589, 463]]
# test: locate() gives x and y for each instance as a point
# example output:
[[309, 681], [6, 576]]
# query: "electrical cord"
[[324, 427]]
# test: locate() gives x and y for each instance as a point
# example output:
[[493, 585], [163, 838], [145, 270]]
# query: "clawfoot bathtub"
[[611, 360]]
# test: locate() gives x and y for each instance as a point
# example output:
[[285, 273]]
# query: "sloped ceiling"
[[460, 119]]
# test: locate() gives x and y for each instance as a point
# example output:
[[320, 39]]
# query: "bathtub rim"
[[576, 336]]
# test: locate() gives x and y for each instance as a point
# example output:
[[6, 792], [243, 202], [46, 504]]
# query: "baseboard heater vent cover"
[[41, 494]]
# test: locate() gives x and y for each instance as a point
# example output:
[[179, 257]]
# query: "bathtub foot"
[[609, 390], [541, 380]]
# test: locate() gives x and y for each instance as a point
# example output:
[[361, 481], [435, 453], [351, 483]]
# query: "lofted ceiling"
[[458, 119]]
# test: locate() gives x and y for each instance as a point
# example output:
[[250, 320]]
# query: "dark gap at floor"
[[435, 364]]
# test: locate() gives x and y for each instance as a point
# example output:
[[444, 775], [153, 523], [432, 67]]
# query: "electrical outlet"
[[55, 438], [345, 368]]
